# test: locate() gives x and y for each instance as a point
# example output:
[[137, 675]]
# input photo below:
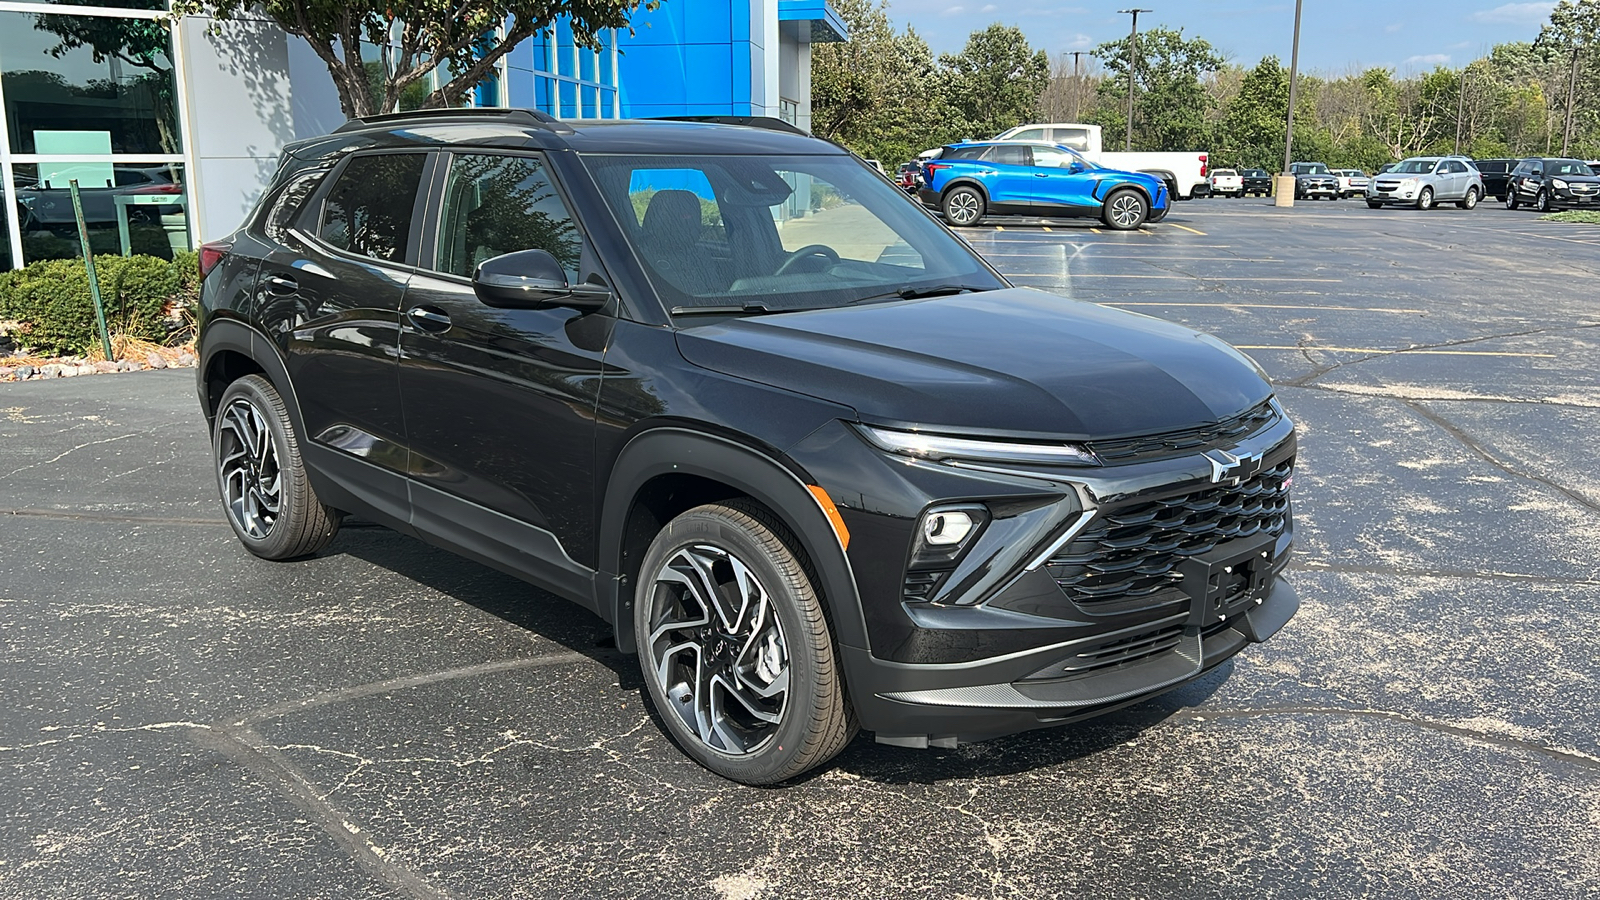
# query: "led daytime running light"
[[938, 447]]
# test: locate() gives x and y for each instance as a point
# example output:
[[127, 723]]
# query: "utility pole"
[[1077, 85], [1285, 182], [1572, 88], [1133, 68], [1461, 98]]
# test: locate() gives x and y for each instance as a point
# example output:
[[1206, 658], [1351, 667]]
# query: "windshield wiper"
[[748, 309], [913, 293]]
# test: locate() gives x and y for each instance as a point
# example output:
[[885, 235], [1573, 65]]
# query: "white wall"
[[250, 89]]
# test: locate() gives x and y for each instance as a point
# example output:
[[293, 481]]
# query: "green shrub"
[[51, 299]]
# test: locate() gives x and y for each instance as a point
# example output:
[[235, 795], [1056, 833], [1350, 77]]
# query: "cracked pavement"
[[387, 720]]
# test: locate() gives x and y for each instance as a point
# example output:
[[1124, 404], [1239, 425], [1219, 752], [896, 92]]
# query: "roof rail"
[[767, 122], [531, 117]]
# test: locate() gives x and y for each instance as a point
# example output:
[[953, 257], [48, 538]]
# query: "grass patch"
[[1579, 216]]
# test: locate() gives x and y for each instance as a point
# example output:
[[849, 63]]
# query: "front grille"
[[1187, 441], [1132, 552], [1123, 650]]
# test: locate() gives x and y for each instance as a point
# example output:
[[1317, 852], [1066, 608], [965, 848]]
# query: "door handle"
[[429, 318], [281, 284], [1041, 174]]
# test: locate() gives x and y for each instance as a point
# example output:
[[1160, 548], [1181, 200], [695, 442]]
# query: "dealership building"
[[172, 128]]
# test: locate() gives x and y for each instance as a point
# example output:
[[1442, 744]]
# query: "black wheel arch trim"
[[964, 181], [234, 335], [669, 450]]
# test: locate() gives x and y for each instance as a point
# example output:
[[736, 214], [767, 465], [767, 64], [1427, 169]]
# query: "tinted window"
[[494, 205], [1454, 167], [369, 209], [1030, 134], [962, 152], [1076, 138], [1008, 155]]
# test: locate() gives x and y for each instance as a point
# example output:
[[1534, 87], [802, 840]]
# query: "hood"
[[1015, 361]]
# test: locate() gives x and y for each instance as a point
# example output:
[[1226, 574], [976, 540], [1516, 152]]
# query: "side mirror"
[[1075, 167], [533, 279]]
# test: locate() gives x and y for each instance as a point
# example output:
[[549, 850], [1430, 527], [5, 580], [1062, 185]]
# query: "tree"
[[1171, 105], [996, 79], [466, 38], [1572, 30], [1252, 130]]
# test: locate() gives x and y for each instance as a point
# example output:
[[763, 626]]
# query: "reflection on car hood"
[[1016, 361]]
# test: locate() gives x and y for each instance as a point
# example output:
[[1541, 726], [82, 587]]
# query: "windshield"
[[1414, 167], [760, 233], [1566, 167], [1309, 169]]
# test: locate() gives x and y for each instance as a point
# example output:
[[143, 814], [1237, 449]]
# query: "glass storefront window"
[[88, 84], [128, 208], [115, 4]]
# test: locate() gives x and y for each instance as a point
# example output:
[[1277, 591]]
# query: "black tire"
[[963, 206], [1511, 199], [1425, 198], [1125, 210], [256, 455], [1470, 201], [1542, 203], [814, 718], [1374, 204]]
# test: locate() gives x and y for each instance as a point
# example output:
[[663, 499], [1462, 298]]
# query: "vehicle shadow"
[[551, 617]]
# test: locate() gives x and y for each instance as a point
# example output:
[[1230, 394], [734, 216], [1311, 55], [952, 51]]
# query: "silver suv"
[[1423, 181]]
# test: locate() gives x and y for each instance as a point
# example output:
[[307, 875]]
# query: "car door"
[[1059, 184], [500, 403], [329, 295], [1012, 183]]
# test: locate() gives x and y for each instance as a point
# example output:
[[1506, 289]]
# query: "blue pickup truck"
[[1023, 178]]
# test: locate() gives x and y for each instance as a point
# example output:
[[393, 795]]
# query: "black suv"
[[1496, 174], [813, 459], [1550, 184]]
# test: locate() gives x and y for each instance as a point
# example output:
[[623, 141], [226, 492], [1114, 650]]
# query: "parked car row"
[[1545, 183]]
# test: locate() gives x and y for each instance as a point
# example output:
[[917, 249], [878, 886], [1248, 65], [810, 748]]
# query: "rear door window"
[[1009, 155], [369, 210]]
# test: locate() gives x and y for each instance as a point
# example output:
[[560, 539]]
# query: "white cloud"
[[1431, 59], [953, 11], [1390, 29], [1516, 13], [992, 8], [1080, 42]]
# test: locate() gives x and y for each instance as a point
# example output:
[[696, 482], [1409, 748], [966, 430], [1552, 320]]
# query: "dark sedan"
[[1549, 184]]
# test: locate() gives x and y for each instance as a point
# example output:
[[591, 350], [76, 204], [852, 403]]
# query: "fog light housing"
[[943, 536]]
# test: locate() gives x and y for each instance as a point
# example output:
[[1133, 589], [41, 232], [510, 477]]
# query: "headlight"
[[939, 447], [1559, 183]]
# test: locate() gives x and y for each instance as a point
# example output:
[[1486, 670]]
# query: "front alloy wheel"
[[1543, 201], [1125, 211], [963, 206], [736, 652], [1425, 198]]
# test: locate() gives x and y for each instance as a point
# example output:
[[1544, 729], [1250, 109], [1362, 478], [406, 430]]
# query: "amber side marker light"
[[832, 512]]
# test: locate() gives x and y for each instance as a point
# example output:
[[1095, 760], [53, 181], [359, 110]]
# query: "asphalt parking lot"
[[181, 720]]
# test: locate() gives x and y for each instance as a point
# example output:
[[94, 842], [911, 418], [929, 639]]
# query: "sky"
[[1404, 35]]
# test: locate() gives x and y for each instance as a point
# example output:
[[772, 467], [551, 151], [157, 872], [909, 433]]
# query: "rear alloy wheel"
[[1470, 201], [1425, 198], [963, 206], [735, 649], [270, 502], [1125, 210], [1511, 199]]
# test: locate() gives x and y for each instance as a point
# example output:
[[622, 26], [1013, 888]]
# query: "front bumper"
[[1076, 599], [942, 706], [1567, 198]]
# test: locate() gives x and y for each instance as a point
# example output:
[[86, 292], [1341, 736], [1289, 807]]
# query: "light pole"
[[1133, 64], [1461, 106], [1284, 195], [1077, 85]]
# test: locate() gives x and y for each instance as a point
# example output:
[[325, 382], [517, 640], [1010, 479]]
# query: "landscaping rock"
[[24, 372], [85, 369], [106, 368], [186, 359], [129, 365], [6, 370], [66, 371], [155, 360]]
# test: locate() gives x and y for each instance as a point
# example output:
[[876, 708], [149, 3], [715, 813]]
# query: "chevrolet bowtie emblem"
[[1225, 466]]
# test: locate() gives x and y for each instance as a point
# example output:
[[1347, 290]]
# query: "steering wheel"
[[809, 251]]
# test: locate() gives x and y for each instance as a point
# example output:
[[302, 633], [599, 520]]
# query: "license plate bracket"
[[1227, 579]]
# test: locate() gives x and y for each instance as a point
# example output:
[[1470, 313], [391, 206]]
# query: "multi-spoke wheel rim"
[[252, 483], [717, 651], [1126, 210], [964, 207], [1472, 198], [1425, 199]]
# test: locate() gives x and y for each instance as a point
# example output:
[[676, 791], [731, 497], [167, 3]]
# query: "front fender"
[[671, 450]]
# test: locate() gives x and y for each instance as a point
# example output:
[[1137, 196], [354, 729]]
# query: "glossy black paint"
[[554, 442], [1532, 184]]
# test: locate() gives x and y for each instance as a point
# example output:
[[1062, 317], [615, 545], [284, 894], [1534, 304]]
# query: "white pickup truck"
[[1185, 172]]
